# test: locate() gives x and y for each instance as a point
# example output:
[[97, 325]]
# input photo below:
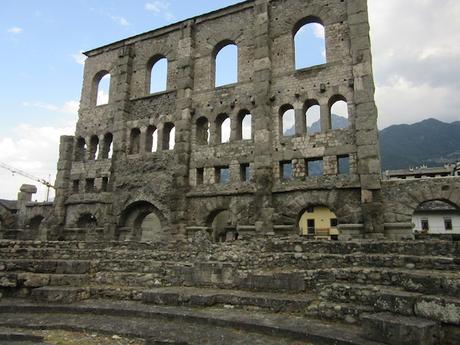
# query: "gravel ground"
[[56, 337]]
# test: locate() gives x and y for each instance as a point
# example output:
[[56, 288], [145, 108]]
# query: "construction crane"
[[29, 176]]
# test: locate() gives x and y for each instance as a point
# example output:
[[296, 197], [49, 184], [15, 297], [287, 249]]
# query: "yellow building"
[[320, 222]]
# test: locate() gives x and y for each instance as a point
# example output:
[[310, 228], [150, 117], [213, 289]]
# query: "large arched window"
[[169, 136], [134, 141], [287, 120], [93, 147], [107, 146], [244, 126], [310, 43], [202, 131], [223, 129], [157, 74], [226, 64], [312, 117], [338, 110], [101, 87], [151, 139]]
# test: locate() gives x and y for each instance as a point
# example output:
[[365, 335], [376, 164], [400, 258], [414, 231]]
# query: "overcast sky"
[[416, 50]]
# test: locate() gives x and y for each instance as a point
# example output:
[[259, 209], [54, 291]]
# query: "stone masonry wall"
[[182, 185]]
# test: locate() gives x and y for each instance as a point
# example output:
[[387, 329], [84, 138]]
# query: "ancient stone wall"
[[181, 184]]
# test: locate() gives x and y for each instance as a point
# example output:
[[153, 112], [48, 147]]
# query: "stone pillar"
[[63, 186], [121, 107], [325, 117], [368, 158], [263, 140], [300, 121], [183, 122]]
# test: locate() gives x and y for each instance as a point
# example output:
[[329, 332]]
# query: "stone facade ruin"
[[154, 166], [151, 185]]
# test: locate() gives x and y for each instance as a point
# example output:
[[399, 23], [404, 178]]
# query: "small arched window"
[[244, 126], [223, 129], [151, 139], [80, 150], [338, 110], [101, 88], [309, 43], [93, 147], [313, 116], [287, 120], [202, 131], [157, 74], [134, 141], [169, 136], [107, 146], [226, 64]]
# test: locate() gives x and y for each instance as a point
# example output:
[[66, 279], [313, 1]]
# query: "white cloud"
[[156, 6], [34, 150], [318, 30], [160, 8], [15, 30], [69, 107], [120, 20], [416, 58], [79, 58], [102, 97]]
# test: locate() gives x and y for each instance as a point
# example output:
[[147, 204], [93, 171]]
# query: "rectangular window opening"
[[315, 167], [334, 223], [76, 186], [425, 224], [448, 223], [90, 185], [245, 170], [199, 176], [311, 226], [222, 175], [105, 184], [343, 165], [286, 172]]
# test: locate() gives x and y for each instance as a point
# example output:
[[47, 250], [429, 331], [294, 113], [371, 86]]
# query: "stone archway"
[[221, 223], [36, 228], [142, 221], [318, 222]]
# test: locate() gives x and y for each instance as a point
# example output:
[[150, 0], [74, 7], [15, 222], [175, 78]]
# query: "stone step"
[[296, 260], [395, 300], [15, 337], [192, 325], [424, 281], [299, 245], [90, 254], [63, 295], [183, 296], [45, 266], [16, 280], [401, 330]]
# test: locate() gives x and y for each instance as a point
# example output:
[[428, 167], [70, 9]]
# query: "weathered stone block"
[[399, 330]]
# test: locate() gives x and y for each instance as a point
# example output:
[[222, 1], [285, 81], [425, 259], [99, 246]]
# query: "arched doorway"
[[37, 229], [142, 221], [318, 222], [222, 228], [437, 218]]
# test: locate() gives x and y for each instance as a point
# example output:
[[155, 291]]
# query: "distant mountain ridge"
[[430, 142]]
